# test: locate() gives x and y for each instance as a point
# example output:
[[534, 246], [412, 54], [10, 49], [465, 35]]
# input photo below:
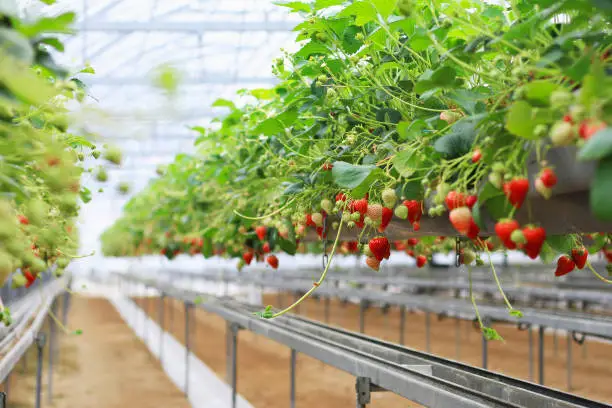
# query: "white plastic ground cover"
[[206, 390]]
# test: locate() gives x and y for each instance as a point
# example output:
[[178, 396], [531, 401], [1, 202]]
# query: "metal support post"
[[3, 399], [171, 315], [326, 301], [427, 331], [362, 309], [162, 302], [40, 344], [485, 351], [292, 378], [541, 354], [364, 389], [530, 354], [569, 361], [555, 342], [296, 297], [146, 317], [402, 324], [279, 296], [52, 347], [7, 387], [187, 351], [233, 329], [457, 338]]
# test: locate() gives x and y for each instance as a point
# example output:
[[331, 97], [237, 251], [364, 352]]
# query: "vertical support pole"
[[292, 378], [427, 331], [171, 313], [187, 351], [52, 335], [327, 300], [362, 391], [530, 333], [279, 299], [162, 323], [584, 348], [361, 316], [541, 354], [7, 387], [402, 324], [485, 352], [40, 344], [569, 361], [234, 339], [146, 317], [295, 299], [457, 338], [555, 343]]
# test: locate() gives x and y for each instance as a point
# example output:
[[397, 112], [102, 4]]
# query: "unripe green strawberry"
[[498, 167], [95, 154], [562, 133], [351, 224], [8, 228], [58, 272], [317, 218], [18, 281], [37, 266], [401, 211], [123, 187], [518, 237], [561, 99], [37, 211], [327, 205], [113, 154], [468, 256], [367, 251], [544, 191], [389, 197], [346, 217], [496, 180], [355, 216], [62, 262]]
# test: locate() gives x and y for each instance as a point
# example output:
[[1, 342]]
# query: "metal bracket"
[[442, 316], [579, 340], [523, 326], [364, 388], [235, 327], [40, 339]]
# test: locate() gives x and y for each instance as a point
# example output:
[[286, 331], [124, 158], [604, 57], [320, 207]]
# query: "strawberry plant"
[[449, 114]]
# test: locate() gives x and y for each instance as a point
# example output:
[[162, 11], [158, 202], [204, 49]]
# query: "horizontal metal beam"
[[206, 79], [199, 27]]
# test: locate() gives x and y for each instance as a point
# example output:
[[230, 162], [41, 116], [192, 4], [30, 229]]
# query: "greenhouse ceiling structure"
[[215, 47]]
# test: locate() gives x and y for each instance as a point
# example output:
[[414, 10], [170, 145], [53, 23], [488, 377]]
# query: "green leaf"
[[223, 103], [411, 130], [361, 190], [312, 48], [540, 91], [321, 4], [491, 334], [470, 100], [443, 77], [598, 146], [459, 140], [412, 190], [601, 190], [287, 246], [489, 191], [269, 127], [516, 313], [605, 5], [348, 175], [16, 45], [350, 43], [406, 162], [362, 11], [384, 7], [52, 42], [562, 244], [295, 6], [59, 24], [85, 194], [477, 216], [519, 120]]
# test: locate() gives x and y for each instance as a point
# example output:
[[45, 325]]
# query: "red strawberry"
[[470, 201], [272, 261], [261, 232], [415, 212], [580, 256], [340, 197], [608, 254], [23, 219], [29, 277], [320, 233], [248, 257], [455, 200], [504, 229], [516, 191], [373, 263], [410, 252], [380, 248], [476, 156], [421, 260], [360, 206], [589, 127], [399, 245], [564, 266], [163, 251], [548, 177], [412, 241], [473, 230], [461, 218], [387, 215], [265, 248], [535, 238]]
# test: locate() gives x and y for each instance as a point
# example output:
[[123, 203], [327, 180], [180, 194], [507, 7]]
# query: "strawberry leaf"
[[598, 146], [601, 193]]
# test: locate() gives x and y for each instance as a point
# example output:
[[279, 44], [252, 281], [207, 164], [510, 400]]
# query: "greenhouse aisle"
[[104, 367]]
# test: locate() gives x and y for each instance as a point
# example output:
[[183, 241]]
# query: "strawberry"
[[516, 191], [163, 251], [455, 200], [261, 232], [320, 233], [589, 127], [272, 261], [327, 166], [541, 188], [470, 201], [248, 257], [265, 248], [387, 215], [415, 212], [380, 248], [401, 211], [504, 229], [373, 263], [467, 256], [327, 205], [534, 238], [476, 156], [473, 230], [317, 219], [360, 206], [412, 241], [30, 278], [564, 265], [562, 134], [548, 177], [23, 219], [399, 245], [580, 256], [340, 197], [389, 197], [410, 252], [375, 211], [461, 218], [421, 260]]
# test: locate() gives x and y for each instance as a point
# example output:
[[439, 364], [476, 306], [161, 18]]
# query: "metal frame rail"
[[601, 298], [377, 365], [29, 313]]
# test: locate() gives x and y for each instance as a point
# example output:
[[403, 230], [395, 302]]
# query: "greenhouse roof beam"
[[210, 78], [185, 26]]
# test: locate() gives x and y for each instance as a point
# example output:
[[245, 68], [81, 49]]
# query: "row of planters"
[[404, 123], [41, 156]]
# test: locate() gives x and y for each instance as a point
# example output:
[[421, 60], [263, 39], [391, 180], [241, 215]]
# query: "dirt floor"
[[105, 367], [263, 365]]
